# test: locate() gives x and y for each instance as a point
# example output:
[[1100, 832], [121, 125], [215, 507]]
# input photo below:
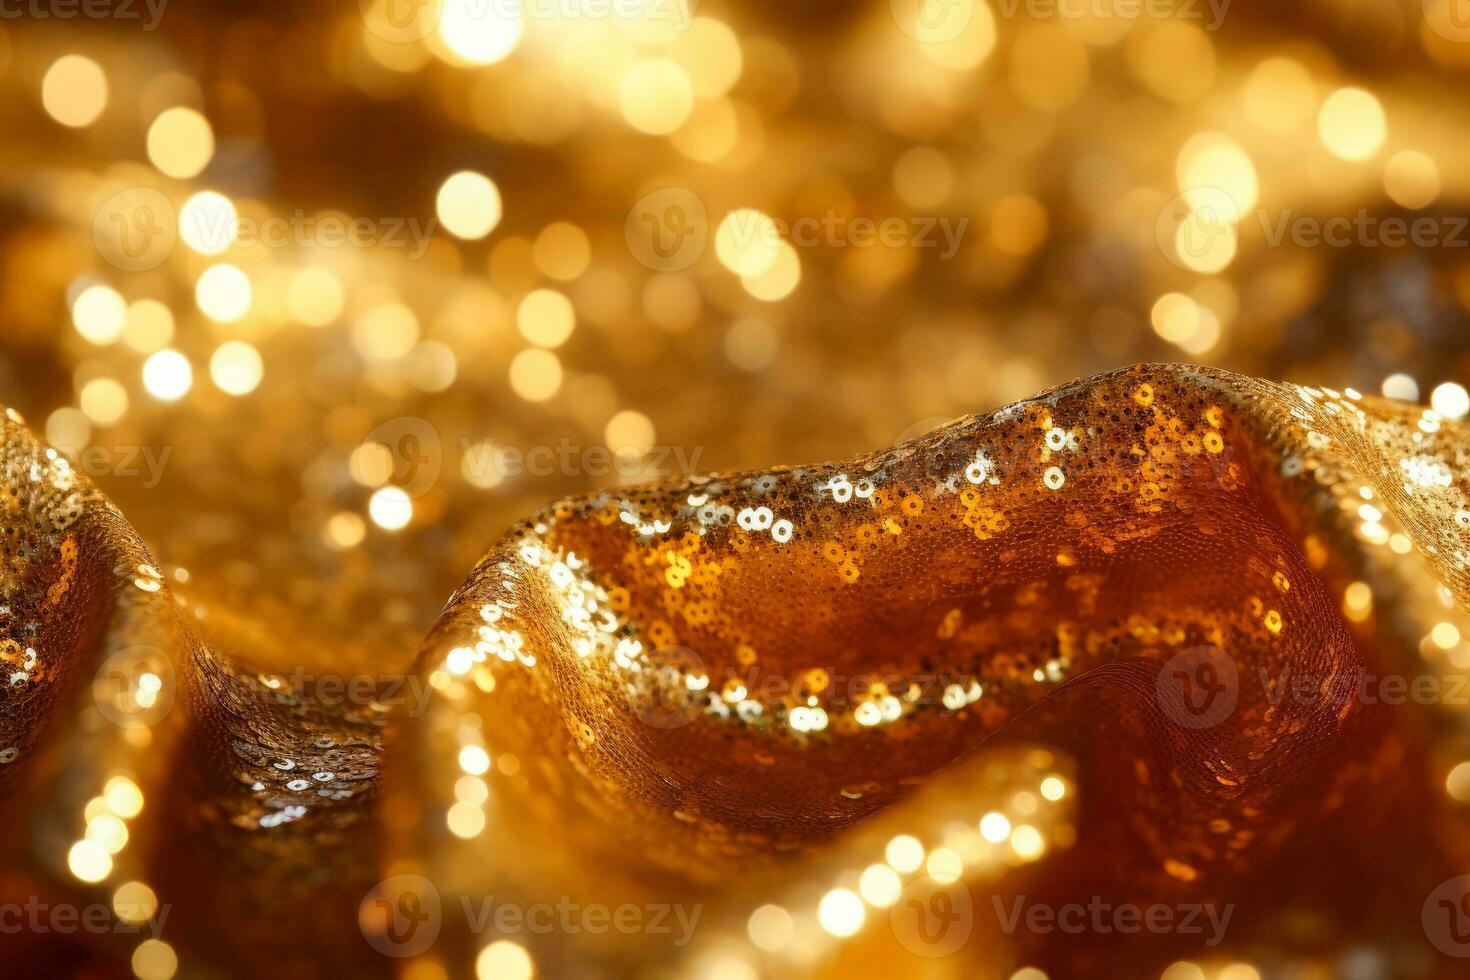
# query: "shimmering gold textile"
[[1088, 648]]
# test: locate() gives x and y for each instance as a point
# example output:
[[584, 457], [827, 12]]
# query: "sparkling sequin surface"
[[1086, 650]]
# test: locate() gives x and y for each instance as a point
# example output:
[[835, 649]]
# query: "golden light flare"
[[1351, 123], [656, 96], [224, 293], [99, 314], [468, 205], [180, 142], [168, 375], [1279, 95], [841, 912], [315, 296], [504, 960], [748, 242], [546, 318], [236, 367], [74, 90]]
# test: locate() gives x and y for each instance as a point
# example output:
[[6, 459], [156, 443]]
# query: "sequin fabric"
[[1124, 645]]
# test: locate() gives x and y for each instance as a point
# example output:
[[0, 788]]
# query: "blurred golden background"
[[752, 233]]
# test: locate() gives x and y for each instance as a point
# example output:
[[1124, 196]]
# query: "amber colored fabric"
[[735, 690]]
